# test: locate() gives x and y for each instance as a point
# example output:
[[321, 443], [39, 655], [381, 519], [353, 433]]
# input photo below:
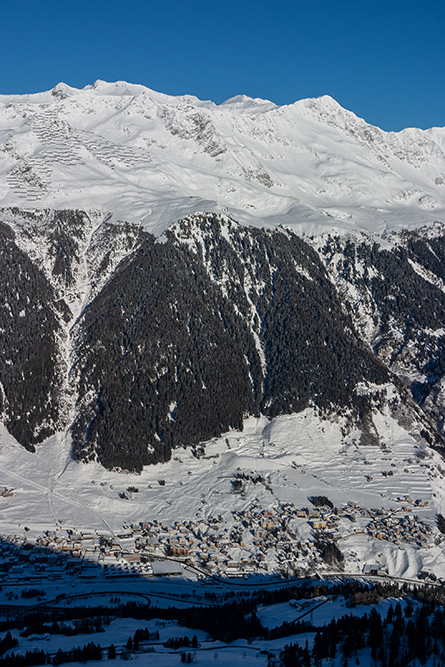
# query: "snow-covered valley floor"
[[243, 504]]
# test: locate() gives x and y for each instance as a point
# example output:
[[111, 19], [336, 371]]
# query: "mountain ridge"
[[151, 158], [223, 298]]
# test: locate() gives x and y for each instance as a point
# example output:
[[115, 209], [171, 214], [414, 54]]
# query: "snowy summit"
[[154, 158]]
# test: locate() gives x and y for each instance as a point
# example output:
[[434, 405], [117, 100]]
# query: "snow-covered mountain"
[[136, 328], [152, 158], [173, 271]]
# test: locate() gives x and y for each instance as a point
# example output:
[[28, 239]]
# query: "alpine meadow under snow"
[[230, 308]]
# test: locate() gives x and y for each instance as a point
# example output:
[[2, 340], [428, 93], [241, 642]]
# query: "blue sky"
[[383, 60]]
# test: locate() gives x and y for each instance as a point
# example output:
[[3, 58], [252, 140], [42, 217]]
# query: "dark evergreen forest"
[[182, 339]]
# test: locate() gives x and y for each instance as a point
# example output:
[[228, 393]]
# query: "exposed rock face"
[[138, 346]]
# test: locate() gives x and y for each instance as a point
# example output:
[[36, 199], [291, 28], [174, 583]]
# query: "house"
[[178, 550], [132, 558]]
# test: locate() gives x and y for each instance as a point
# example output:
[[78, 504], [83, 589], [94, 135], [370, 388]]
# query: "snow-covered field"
[[209, 651]]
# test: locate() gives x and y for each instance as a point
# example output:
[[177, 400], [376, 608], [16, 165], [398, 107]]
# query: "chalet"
[[178, 550]]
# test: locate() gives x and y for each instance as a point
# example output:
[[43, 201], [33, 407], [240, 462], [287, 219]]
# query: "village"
[[283, 540]]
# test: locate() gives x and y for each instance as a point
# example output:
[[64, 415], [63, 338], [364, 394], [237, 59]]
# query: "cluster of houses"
[[408, 529], [283, 539]]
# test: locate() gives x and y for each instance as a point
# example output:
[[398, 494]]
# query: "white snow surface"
[[153, 158]]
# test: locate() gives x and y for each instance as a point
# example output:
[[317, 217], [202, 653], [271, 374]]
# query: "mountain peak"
[[249, 104], [326, 101], [62, 90], [117, 88], [325, 105]]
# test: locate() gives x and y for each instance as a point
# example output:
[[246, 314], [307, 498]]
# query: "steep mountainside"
[[396, 297], [139, 345], [31, 329], [134, 324]]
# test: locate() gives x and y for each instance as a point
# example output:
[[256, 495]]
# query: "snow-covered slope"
[[154, 158]]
